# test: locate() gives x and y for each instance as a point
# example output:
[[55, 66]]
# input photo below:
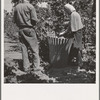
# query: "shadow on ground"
[[69, 74]]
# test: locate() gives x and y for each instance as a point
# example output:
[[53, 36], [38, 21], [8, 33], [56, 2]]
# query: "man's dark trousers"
[[27, 37]]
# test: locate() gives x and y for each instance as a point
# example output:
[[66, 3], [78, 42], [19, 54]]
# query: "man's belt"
[[21, 27]]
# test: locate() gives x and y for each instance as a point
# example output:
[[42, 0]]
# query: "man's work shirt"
[[25, 15], [76, 23]]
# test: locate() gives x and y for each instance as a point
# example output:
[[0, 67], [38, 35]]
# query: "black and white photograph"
[[50, 50], [50, 41]]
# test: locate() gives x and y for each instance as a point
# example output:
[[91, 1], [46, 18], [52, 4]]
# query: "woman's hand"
[[66, 23], [62, 33]]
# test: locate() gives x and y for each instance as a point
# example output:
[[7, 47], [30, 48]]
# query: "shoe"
[[18, 72], [41, 76], [28, 68], [39, 69]]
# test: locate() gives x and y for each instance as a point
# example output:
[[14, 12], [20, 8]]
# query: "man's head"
[[69, 8], [17, 1], [20, 1]]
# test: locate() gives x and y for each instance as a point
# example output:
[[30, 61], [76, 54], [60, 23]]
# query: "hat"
[[69, 7]]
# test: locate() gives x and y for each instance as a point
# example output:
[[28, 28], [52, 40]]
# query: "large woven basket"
[[59, 49]]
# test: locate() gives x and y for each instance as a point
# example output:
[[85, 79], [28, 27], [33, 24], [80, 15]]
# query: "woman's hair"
[[69, 7]]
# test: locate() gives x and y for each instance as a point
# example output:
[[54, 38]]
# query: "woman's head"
[[69, 8]]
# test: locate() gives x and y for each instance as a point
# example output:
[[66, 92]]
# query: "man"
[[25, 18], [75, 26]]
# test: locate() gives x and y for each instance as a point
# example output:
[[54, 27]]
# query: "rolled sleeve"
[[76, 22]]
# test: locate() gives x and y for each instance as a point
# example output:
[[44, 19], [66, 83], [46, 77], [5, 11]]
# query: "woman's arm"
[[66, 31]]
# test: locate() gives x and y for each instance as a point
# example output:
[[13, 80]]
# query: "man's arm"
[[34, 18], [14, 15]]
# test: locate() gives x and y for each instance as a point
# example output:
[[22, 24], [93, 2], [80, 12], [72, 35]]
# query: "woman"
[[75, 26]]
